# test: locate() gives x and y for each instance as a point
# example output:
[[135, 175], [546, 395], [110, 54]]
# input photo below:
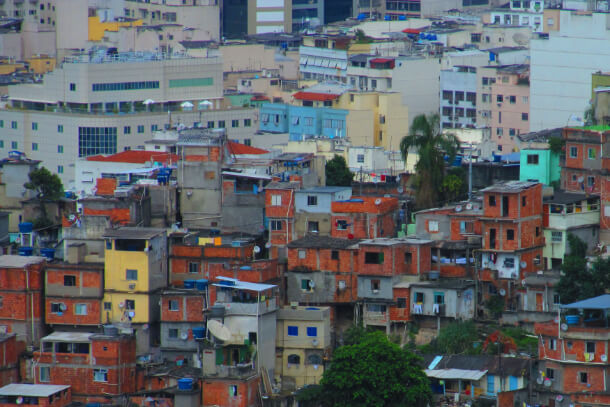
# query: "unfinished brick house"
[[364, 217]]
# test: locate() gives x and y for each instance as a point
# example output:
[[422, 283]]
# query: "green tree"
[[362, 38], [337, 172], [457, 338], [374, 372], [431, 145], [580, 280], [46, 187]]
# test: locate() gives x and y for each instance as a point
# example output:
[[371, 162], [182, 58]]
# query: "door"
[[539, 302], [492, 238], [513, 383], [505, 206]]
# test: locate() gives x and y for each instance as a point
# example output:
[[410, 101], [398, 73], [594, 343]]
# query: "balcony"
[[563, 220], [238, 371], [375, 318], [252, 308], [369, 72]]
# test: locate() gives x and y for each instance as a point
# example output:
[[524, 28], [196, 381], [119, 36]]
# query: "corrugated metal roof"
[[600, 302], [456, 374], [32, 390]]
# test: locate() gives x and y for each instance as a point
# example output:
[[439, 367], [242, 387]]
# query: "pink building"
[[510, 106]]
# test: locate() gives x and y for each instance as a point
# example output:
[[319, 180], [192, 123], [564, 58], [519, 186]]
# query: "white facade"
[[521, 13], [322, 63], [561, 68], [458, 97], [367, 159]]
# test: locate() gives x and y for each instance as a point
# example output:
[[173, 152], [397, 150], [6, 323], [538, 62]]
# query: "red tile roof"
[[411, 31], [135, 157], [381, 60], [315, 96], [237, 149]]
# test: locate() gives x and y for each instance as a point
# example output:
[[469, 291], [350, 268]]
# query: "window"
[[537, 231], [342, 225], [72, 87], [312, 331], [13, 124], [374, 83], [172, 333], [511, 99], [499, 98], [131, 275], [45, 374], [509, 262], [247, 122], [80, 309], [127, 130], [524, 99], [312, 200], [512, 132], [1, 143], [60, 169], [524, 117], [107, 87], [234, 123], [141, 128], [373, 258], [69, 281], [550, 373], [14, 145], [552, 344], [276, 225], [60, 149], [401, 302], [276, 200], [334, 255], [130, 305], [60, 128], [556, 299], [313, 227], [309, 121], [590, 347], [294, 359], [193, 267], [97, 140], [34, 146], [233, 390], [583, 377], [293, 330], [375, 284], [439, 298], [573, 152], [419, 298], [466, 227], [510, 234], [173, 305], [34, 126], [360, 158], [532, 159], [221, 124], [107, 306], [492, 200], [302, 254], [100, 375], [590, 181], [499, 131], [432, 226], [556, 237], [591, 153], [307, 285], [524, 201], [154, 127], [408, 257], [210, 125], [1, 123]]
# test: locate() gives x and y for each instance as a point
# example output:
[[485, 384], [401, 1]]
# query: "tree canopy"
[[432, 146], [375, 372], [580, 280], [46, 186], [338, 173]]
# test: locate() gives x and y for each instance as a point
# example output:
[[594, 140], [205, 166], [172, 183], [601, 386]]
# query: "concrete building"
[[14, 173], [561, 68], [313, 209], [324, 57], [9, 352], [47, 395], [91, 113], [307, 14], [458, 97], [538, 162], [241, 18], [521, 13]]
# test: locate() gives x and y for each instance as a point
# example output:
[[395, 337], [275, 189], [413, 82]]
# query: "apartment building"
[[585, 160], [241, 18], [458, 97], [81, 109], [521, 13]]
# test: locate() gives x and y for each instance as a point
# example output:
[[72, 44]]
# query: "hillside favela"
[[304, 203]]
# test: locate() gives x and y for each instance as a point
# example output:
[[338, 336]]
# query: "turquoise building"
[[303, 122], [540, 164]]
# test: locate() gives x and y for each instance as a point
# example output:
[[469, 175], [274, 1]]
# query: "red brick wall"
[[89, 279], [9, 367], [216, 393], [604, 221], [286, 209], [15, 279], [68, 317], [192, 304], [401, 314]]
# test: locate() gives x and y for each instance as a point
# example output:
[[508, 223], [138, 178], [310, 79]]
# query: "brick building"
[[280, 200], [21, 286], [95, 365], [9, 359], [43, 395], [573, 357], [364, 217], [586, 161], [513, 240], [73, 294]]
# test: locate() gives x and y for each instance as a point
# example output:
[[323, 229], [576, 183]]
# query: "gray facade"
[[321, 291], [451, 300], [458, 97], [318, 200], [375, 288]]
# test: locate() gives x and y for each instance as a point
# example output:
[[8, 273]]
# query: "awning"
[[601, 302], [381, 60], [411, 31], [315, 96], [246, 175], [456, 374], [242, 285]]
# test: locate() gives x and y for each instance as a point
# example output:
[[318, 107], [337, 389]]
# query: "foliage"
[[338, 173], [456, 338], [374, 372], [309, 396], [579, 280], [362, 38], [41, 222], [556, 144], [523, 340], [589, 115], [452, 187], [495, 305], [46, 186], [431, 145]]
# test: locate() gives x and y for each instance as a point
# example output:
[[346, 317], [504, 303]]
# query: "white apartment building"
[[105, 103], [521, 13], [561, 68], [458, 97]]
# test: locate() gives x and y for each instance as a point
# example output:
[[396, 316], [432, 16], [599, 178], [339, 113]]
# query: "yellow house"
[[98, 28], [302, 345], [135, 268], [41, 64]]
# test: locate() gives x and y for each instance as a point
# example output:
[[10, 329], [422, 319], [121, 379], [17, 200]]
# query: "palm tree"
[[425, 136]]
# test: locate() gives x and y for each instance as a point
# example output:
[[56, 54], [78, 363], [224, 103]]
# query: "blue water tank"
[[402, 18], [26, 227], [48, 253], [189, 283], [201, 284], [199, 333], [572, 319], [26, 251], [185, 384]]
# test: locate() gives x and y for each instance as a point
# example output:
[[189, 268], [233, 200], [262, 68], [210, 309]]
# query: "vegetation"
[[362, 38], [46, 187], [432, 146], [495, 305], [338, 173], [580, 280], [454, 339], [372, 371], [556, 144]]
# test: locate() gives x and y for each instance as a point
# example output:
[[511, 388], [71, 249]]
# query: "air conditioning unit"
[[132, 286], [375, 291]]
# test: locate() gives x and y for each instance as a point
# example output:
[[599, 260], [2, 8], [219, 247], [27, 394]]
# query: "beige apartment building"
[[106, 103]]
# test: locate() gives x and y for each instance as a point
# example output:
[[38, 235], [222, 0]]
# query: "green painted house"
[[538, 162]]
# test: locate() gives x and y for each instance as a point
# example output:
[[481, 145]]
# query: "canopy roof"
[[601, 302]]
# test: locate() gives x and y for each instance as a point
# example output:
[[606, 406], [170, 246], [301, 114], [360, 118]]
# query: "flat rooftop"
[[14, 261], [133, 233], [68, 337], [32, 390]]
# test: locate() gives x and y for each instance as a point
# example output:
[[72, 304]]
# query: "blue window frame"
[[312, 331], [293, 330]]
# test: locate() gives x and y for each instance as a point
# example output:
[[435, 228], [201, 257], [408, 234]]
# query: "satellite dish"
[[539, 380], [521, 38], [523, 282], [547, 382], [186, 104], [400, 190], [604, 358], [184, 336], [219, 330], [312, 284], [564, 327], [268, 245], [19, 400], [63, 306], [378, 201], [468, 206], [581, 179], [131, 314], [559, 398], [72, 217], [314, 342], [458, 208], [148, 102], [121, 305], [502, 292], [523, 264], [257, 249]]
